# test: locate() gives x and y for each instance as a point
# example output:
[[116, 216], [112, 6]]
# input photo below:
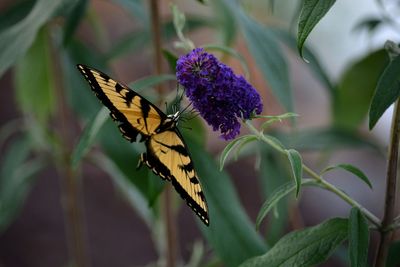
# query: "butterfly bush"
[[221, 97]]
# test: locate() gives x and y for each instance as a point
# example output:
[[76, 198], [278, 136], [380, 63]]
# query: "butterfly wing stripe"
[[167, 154], [134, 112]]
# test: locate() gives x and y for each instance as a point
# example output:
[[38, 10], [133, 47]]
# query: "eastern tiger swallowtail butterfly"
[[166, 152]]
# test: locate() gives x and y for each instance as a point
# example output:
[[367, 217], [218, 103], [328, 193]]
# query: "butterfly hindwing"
[[135, 113], [168, 156]]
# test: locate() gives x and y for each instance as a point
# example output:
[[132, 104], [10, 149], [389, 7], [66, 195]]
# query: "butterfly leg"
[[141, 160]]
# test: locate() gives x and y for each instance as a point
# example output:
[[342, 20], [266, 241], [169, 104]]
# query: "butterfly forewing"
[[168, 155], [135, 113]]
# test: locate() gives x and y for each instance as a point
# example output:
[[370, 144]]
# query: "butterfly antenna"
[[183, 110]]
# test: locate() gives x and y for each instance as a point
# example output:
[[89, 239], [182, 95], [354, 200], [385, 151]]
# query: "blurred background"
[[40, 127]]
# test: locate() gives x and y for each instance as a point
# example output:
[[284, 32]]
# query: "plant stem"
[[391, 179], [70, 184], [328, 186], [168, 216]]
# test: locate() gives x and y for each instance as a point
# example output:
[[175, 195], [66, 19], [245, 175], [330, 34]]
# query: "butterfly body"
[[166, 152]]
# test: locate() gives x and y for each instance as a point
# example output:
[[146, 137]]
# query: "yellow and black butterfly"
[[166, 152]]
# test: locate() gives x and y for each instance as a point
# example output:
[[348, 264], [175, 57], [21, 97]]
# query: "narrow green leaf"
[[272, 175], [14, 193], [88, 136], [309, 247], [230, 146], [277, 118], [358, 82], [230, 233], [358, 238], [15, 179], [297, 167], [16, 40], [15, 13], [171, 58], [386, 92], [79, 96], [179, 20], [350, 168], [34, 79], [274, 140], [73, 19], [194, 129], [269, 58], [311, 13], [276, 196], [128, 189], [243, 144]]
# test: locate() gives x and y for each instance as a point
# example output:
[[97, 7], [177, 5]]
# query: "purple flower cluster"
[[221, 97]]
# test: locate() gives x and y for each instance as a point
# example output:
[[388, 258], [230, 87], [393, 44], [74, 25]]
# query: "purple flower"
[[221, 97]]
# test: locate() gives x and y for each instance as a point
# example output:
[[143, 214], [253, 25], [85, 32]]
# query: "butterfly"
[[166, 153]]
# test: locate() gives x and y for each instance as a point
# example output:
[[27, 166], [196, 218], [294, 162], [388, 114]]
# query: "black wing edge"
[[199, 211], [158, 168], [106, 77]]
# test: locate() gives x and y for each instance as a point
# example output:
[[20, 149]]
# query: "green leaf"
[[308, 247], [277, 118], [297, 167], [73, 19], [311, 13], [350, 168], [269, 58], [15, 13], [230, 233], [34, 80], [15, 179], [386, 92], [171, 58], [179, 20], [274, 173], [358, 82], [16, 40], [79, 96], [358, 238], [276, 196], [231, 145], [195, 130], [88, 136], [133, 196]]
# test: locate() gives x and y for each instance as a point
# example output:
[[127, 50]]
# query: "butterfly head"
[[172, 120]]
